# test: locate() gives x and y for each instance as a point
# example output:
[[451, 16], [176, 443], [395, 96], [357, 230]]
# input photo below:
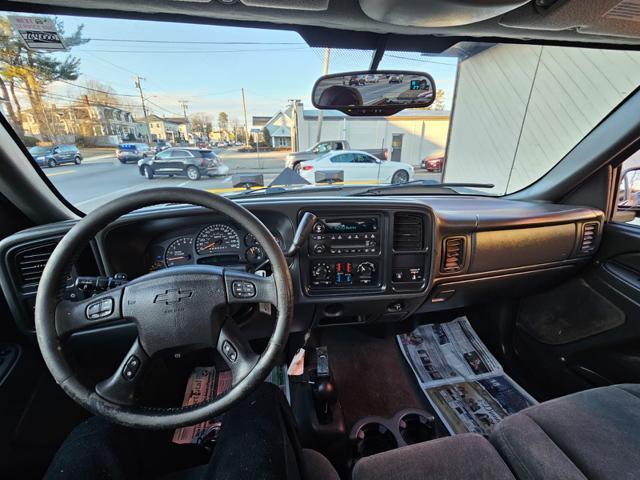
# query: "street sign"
[[37, 33]]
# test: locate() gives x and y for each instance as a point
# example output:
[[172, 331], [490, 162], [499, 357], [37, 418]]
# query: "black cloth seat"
[[594, 434], [465, 456]]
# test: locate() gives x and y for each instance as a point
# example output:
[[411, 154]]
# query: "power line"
[[190, 42], [191, 51]]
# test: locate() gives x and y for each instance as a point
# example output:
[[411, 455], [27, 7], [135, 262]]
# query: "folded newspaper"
[[203, 386], [464, 383]]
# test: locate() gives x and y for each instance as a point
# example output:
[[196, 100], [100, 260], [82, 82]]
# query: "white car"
[[355, 166]]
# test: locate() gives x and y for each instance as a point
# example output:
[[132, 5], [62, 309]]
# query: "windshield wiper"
[[283, 190], [381, 190]]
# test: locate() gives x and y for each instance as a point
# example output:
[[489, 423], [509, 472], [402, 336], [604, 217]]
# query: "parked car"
[[161, 145], [357, 166], [433, 163], [132, 151], [56, 155], [190, 162], [222, 144], [293, 159], [396, 78], [237, 144], [371, 78], [357, 80]]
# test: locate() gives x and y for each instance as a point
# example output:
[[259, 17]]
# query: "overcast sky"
[[208, 65]]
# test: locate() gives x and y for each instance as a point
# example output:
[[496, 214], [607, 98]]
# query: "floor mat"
[[370, 374], [464, 383]]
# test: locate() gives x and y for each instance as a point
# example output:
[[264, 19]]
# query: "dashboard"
[[367, 260]]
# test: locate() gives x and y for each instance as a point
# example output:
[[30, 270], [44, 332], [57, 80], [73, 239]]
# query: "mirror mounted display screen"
[[374, 92]]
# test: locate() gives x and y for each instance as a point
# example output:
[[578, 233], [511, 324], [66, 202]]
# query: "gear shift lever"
[[324, 392]]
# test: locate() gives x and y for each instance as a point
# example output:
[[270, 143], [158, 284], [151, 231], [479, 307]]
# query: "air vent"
[[453, 255], [408, 232], [30, 263], [589, 237]]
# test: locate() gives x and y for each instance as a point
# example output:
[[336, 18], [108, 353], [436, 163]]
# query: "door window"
[[344, 158]]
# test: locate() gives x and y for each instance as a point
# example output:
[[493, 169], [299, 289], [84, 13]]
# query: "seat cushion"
[[317, 467], [466, 456], [593, 434]]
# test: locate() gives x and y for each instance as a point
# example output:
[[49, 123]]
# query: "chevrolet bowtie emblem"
[[172, 296]]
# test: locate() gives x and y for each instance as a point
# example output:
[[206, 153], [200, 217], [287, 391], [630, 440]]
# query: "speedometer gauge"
[[217, 238], [180, 252]]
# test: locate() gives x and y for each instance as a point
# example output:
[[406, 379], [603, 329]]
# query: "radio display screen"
[[356, 225]]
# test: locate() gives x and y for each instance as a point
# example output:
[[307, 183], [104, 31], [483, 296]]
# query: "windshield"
[[141, 99]]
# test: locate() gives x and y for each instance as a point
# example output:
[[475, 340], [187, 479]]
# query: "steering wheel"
[[182, 306]]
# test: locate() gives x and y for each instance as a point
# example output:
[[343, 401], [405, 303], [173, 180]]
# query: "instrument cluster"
[[214, 244]]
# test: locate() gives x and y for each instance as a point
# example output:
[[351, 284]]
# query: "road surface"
[[103, 178]]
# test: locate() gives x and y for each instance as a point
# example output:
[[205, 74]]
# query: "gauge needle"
[[176, 258], [212, 244]]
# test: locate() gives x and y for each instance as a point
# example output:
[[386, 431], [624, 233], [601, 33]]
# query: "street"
[[102, 177]]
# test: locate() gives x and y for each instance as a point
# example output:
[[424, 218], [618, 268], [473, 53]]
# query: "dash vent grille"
[[453, 254], [408, 232]]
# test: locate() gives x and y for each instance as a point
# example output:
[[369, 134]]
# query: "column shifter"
[[302, 233]]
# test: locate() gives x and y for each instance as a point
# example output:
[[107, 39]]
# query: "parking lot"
[[101, 177]]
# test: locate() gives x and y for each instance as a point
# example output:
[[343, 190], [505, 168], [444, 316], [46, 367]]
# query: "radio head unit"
[[338, 236]]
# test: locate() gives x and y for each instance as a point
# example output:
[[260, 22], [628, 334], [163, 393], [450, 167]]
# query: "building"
[[278, 126], [83, 120], [173, 129], [411, 134], [519, 109]]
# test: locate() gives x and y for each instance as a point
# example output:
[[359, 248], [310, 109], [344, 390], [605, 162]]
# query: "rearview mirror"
[[374, 92]]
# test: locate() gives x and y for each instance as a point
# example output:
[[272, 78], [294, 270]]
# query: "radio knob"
[[321, 271], [319, 249]]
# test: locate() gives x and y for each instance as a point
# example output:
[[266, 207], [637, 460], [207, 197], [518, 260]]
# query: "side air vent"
[[30, 263], [589, 237], [453, 255], [408, 232]]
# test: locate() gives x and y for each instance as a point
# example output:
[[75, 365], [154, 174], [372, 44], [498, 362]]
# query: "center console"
[[345, 252]]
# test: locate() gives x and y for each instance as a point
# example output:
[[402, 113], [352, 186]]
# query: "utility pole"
[[246, 128], [185, 104], [325, 71], [294, 122], [144, 108]]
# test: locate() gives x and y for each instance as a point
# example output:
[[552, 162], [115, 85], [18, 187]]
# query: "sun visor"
[[310, 5], [436, 13], [617, 18]]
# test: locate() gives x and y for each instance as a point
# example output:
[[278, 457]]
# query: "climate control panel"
[[348, 272]]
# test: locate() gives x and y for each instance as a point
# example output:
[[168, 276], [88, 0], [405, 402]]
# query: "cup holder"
[[372, 438], [416, 428]]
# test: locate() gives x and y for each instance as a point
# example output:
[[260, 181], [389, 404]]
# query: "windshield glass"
[[39, 150], [140, 100]]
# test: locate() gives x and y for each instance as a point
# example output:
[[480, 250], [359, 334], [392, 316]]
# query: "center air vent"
[[30, 263], [408, 232], [589, 237], [453, 255]]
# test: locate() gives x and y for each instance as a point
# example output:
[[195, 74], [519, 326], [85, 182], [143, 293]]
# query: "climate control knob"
[[321, 271], [366, 269]]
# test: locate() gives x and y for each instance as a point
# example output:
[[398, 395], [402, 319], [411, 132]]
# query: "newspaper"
[[464, 383], [200, 388], [447, 353]]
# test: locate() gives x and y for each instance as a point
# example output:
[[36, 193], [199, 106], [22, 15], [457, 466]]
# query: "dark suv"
[[56, 155], [192, 162], [131, 151]]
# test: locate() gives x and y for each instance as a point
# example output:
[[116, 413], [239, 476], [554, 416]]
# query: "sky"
[[208, 65]]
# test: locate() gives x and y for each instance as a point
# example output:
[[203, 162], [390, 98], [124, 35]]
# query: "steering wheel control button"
[[131, 367], [243, 289], [229, 351], [99, 309]]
